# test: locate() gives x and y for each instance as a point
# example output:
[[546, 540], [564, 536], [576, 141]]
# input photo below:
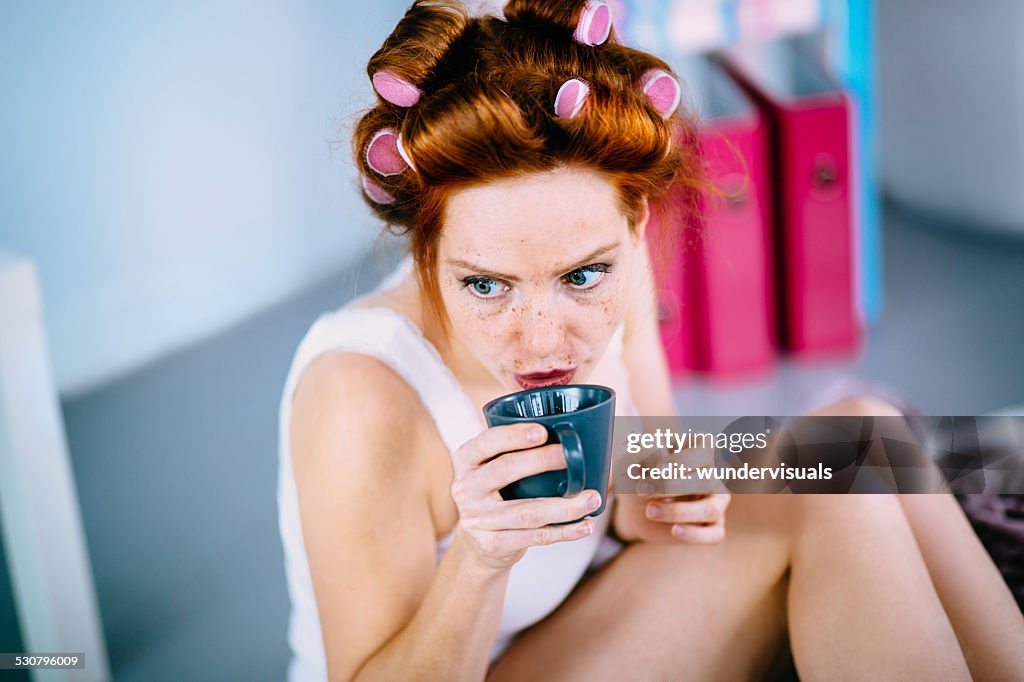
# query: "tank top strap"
[[395, 340]]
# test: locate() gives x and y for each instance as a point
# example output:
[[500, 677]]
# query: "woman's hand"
[[500, 531], [671, 518]]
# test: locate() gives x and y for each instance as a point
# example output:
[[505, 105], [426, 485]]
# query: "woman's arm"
[[386, 611], [689, 518], [361, 440]]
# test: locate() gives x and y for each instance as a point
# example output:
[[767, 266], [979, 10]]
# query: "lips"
[[556, 377]]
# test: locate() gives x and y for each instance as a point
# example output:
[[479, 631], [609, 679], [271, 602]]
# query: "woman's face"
[[535, 274]]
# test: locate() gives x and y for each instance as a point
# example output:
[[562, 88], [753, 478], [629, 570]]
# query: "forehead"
[[564, 210]]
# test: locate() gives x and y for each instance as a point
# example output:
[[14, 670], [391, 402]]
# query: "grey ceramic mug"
[[581, 418]]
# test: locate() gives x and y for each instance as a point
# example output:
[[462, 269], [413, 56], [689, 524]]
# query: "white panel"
[[42, 529]]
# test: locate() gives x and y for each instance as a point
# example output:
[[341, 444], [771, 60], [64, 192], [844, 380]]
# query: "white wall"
[[951, 105], [169, 165]]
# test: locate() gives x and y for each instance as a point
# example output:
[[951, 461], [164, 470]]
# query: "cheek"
[[604, 308]]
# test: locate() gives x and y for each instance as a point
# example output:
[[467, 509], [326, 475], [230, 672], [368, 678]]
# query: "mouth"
[[555, 377]]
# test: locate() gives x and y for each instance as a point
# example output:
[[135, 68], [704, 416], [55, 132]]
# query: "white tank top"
[[538, 582]]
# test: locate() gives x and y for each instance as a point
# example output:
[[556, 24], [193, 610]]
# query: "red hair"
[[486, 113]]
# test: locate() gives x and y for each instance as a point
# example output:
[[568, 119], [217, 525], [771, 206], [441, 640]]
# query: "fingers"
[[512, 540], [499, 439], [699, 534], [513, 466], [538, 512], [710, 509], [502, 529], [699, 521]]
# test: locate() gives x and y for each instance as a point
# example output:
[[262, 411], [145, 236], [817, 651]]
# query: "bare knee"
[[858, 406]]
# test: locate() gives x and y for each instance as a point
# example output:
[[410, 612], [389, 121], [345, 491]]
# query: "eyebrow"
[[589, 258]]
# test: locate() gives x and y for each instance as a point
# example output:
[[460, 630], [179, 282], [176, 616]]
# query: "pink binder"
[[729, 272], [718, 300], [809, 119]]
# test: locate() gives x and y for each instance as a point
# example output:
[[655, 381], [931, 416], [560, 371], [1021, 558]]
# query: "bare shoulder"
[[352, 406], [361, 475]]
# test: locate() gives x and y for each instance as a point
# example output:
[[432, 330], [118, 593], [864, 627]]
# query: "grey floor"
[[176, 464]]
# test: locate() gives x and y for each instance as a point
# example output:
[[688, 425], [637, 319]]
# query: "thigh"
[[668, 611]]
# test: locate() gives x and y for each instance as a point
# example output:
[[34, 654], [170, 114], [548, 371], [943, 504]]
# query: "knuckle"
[[545, 535], [497, 439], [459, 492], [486, 441], [707, 535], [528, 517], [462, 452], [547, 455], [469, 452], [505, 468]]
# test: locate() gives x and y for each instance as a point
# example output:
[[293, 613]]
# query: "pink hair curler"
[[570, 98], [395, 90], [595, 23], [377, 193], [662, 91], [383, 155]]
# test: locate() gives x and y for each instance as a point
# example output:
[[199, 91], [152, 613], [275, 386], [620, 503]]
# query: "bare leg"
[[665, 611], [980, 607], [860, 602], [984, 615]]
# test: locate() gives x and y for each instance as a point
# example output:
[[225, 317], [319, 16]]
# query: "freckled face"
[[534, 274]]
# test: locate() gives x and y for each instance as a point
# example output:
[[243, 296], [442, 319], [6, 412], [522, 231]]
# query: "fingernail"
[[679, 531], [586, 528], [594, 500], [537, 433], [654, 511]]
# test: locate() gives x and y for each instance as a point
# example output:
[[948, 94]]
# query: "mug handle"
[[575, 471]]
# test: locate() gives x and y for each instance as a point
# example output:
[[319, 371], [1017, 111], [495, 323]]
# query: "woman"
[[519, 156]]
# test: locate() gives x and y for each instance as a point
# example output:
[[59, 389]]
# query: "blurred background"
[[178, 204]]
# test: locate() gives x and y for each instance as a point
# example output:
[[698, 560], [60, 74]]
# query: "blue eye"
[[586, 277], [483, 287]]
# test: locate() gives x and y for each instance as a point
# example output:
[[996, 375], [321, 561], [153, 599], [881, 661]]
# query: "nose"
[[542, 330]]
